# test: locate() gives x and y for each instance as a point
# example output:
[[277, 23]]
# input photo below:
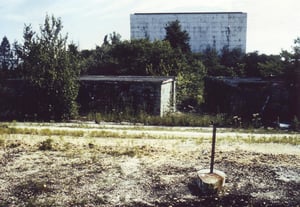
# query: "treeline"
[[49, 67]]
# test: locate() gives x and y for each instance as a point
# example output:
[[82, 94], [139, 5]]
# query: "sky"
[[272, 25]]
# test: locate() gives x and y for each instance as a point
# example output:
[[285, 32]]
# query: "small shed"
[[270, 97], [155, 95]]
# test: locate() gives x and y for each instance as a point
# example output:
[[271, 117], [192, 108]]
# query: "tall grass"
[[176, 119]]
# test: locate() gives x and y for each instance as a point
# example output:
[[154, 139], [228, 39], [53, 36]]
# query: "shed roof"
[[104, 78], [237, 81]]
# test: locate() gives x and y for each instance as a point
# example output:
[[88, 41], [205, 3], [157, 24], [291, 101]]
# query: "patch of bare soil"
[[143, 172]]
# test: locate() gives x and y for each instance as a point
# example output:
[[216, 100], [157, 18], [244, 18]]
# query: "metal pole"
[[212, 160]]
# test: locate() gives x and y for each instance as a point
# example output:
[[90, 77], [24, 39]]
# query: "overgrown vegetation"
[[45, 71], [49, 72], [176, 119]]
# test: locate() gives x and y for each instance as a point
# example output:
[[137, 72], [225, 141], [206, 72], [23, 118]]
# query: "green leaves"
[[272, 67], [178, 39], [52, 69], [143, 57], [5, 54], [190, 83], [136, 57]]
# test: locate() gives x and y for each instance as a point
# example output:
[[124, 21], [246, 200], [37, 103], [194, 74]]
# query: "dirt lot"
[[142, 171]]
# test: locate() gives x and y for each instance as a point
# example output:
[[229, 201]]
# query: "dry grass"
[[71, 166]]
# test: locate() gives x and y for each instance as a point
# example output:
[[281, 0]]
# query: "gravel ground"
[[143, 171]]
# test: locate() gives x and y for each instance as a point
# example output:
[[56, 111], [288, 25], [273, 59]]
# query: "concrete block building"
[[134, 94], [205, 29]]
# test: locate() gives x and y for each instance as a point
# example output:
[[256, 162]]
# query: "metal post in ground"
[[211, 181], [212, 158]]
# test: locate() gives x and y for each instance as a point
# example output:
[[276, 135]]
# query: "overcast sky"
[[272, 24]]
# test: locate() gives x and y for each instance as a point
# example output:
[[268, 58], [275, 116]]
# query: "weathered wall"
[[133, 97], [166, 104], [215, 30]]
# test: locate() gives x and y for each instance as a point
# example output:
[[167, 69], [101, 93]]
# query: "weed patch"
[[293, 140], [135, 151], [104, 133], [183, 119], [46, 145], [41, 132]]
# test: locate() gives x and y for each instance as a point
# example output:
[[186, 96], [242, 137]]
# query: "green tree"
[[291, 61], [233, 61], [115, 38], [164, 60], [136, 57], [5, 54], [211, 60], [296, 50], [52, 69], [251, 61], [190, 83], [273, 66], [178, 38]]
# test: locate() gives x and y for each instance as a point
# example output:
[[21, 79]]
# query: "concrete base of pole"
[[210, 183]]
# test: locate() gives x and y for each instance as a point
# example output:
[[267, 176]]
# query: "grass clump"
[[103, 133], [199, 141], [2, 142], [46, 145], [130, 151], [42, 132], [293, 140], [187, 120], [48, 132]]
